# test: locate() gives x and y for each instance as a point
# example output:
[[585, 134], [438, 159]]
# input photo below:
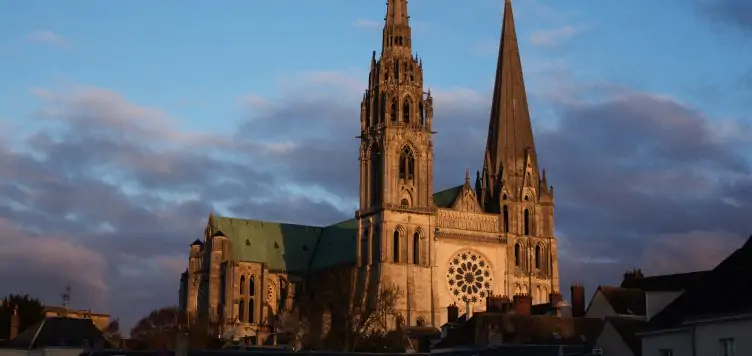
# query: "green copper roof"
[[281, 246], [446, 197], [294, 247], [337, 245]]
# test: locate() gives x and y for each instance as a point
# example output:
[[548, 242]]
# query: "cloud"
[[48, 37], [554, 36], [368, 24], [106, 195], [734, 13]]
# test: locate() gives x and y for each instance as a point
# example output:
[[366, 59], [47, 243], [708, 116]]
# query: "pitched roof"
[[723, 291], [446, 197], [59, 332], [624, 301], [628, 329], [520, 329], [281, 246], [293, 247], [668, 282]]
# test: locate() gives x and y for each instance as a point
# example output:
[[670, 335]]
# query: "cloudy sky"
[[123, 126]]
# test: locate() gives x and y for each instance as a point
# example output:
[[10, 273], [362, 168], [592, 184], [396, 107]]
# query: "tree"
[[30, 312], [353, 317], [161, 327], [291, 327], [112, 332], [374, 314]]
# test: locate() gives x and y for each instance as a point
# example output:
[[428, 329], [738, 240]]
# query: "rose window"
[[469, 277]]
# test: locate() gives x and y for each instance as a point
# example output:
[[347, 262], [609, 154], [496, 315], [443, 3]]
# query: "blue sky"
[[122, 126], [195, 58]]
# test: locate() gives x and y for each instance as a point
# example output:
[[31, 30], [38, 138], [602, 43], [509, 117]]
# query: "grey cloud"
[[735, 13], [635, 175]]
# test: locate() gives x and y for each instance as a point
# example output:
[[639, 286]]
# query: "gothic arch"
[[527, 221], [540, 256], [420, 321], [407, 109], [407, 163], [398, 238], [409, 144], [417, 246], [252, 285]]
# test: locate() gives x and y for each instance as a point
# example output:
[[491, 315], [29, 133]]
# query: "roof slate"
[[668, 282], [723, 291], [59, 332], [625, 301]]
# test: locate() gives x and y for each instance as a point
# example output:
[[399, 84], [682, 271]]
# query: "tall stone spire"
[[397, 33], [510, 150]]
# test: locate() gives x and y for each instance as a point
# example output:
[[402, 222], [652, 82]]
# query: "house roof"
[[59, 332], [624, 301], [628, 329], [293, 247], [668, 282], [521, 329], [723, 291]]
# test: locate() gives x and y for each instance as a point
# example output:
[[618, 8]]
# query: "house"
[[100, 320], [507, 323], [712, 317], [610, 301], [661, 290], [56, 335]]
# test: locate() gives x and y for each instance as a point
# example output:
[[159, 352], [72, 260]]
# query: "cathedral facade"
[[493, 234]]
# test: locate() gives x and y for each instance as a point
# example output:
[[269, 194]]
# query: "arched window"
[[407, 164], [517, 255], [416, 248], [396, 246], [396, 72], [506, 219], [422, 114], [527, 222], [251, 310], [404, 202], [376, 244], [375, 174], [382, 106], [406, 110], [242, 285], [252, 285], [420, 321], [241, 311], [394, 110], [538, 256]]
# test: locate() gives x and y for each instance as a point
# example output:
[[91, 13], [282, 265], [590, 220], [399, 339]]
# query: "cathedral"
[[491, 235]]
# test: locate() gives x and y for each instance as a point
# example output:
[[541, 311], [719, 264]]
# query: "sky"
[[123, 126]]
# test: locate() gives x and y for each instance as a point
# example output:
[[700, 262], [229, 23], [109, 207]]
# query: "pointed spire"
[[397, 33], [510, 134], [396, 13], [467, 177]]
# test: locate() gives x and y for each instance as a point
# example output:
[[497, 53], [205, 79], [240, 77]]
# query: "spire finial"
[[467, 175]]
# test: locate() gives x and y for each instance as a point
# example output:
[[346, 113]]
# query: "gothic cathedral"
[[456, 246]]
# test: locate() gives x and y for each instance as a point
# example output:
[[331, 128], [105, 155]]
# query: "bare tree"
[[355, 313], [374, 314]]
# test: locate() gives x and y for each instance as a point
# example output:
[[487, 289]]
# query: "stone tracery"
[[469, 277]]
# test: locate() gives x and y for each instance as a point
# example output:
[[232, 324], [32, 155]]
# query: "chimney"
[[14, 324], [632, 275], [522, 304], [453, 313], [578, 300], [555, 298]]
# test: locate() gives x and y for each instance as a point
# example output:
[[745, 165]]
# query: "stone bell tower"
[[396, 156]]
